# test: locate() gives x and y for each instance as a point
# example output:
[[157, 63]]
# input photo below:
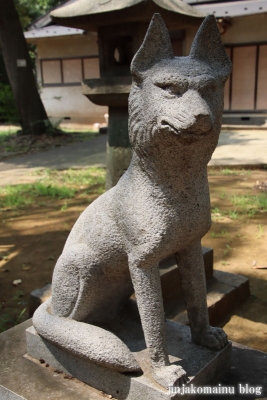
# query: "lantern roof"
[[90, 14]]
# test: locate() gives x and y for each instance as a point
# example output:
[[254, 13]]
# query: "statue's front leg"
[[191, 268], [147, 286]]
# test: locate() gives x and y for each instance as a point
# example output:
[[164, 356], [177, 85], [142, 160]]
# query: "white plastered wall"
[[247, 29], [68, 101]]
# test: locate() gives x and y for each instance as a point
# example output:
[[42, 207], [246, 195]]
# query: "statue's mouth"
[[181, 127]]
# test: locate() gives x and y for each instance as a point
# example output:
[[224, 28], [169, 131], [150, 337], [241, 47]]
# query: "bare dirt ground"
[[12, 144], [32, 238], [239, 240]]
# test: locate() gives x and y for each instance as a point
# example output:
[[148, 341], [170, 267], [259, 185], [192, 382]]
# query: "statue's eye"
[[212, 87], [171, 89], [209, 86]]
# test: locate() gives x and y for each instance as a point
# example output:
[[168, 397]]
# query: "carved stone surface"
[[34, 380], [159, 207], [202, 365]]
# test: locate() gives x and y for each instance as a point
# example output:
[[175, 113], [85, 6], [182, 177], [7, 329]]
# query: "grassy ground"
[[35, 220]]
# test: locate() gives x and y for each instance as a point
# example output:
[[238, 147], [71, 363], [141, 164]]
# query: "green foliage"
[[88, 176], [63, 192], [222, 234], [3, 74], [233, 214], [8, 112], [250, 204], [92, 179], [5, 139], [21, 195], [223, 196], [260, 232], [64, 207], [239, 206], [216, 210], [227, 249], [8, 318], [224, 263], [217, 213], [54, 184], [228, 171], [29, 10]]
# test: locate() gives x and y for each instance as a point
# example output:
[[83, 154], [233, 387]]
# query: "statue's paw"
[[170, 375], [213, 338]]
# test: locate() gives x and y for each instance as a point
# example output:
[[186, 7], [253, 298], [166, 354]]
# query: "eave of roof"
[[84, 7], [52, 31], [233, 8]]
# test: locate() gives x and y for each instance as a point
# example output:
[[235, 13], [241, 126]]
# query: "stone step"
[[225, 292], [170, 278], [39, 296]]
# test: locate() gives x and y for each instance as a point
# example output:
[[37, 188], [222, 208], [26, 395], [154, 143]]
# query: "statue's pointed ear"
[[156, 47], [208, 47]]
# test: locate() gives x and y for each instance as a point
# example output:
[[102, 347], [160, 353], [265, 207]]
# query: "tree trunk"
[[33, 116]]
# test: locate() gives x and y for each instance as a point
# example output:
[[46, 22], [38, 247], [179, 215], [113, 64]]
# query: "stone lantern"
[[121, 26]]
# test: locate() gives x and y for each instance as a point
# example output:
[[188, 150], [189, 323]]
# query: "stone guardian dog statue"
[[159, 207]]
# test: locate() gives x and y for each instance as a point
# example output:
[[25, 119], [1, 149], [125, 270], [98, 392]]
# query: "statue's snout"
[[203, 123], [199, 118]]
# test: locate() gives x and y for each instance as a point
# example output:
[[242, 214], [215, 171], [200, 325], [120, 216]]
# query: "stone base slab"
[[21, 378], [202, 365]]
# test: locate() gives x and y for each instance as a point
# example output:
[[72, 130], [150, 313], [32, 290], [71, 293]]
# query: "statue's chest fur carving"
[[158, 220]]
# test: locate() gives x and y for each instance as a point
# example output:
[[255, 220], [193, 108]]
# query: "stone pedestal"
[[23, 379], [203, 366]]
